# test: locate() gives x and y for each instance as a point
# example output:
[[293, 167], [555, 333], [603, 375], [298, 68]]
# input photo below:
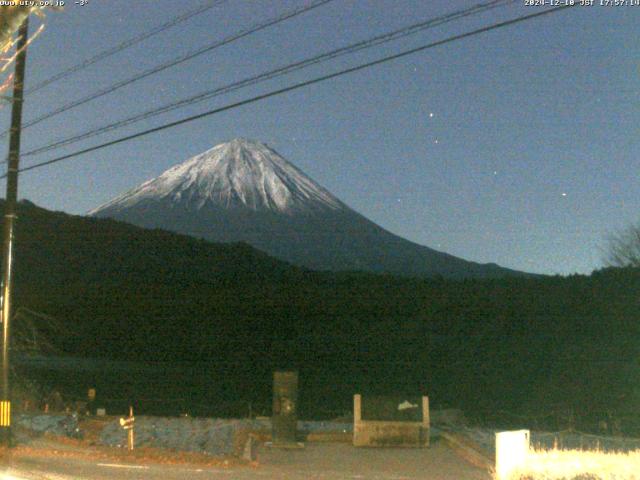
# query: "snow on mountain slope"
[[240, 173], [243, 191]]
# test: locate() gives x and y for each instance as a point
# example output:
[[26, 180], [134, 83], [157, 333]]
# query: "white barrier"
[[511, 452]]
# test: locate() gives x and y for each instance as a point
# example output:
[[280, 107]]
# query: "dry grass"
[[578, 464]]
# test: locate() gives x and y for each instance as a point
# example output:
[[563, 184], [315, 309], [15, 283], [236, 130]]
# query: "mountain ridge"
[[244, 190]]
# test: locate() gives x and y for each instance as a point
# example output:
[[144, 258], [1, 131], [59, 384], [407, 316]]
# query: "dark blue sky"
[[519, 146]]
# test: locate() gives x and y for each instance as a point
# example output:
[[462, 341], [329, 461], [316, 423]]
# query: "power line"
[[208, 94], [297, 86], [124, 45], [176, 61]]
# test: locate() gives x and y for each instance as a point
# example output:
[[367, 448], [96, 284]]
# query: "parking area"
[[336, 461]]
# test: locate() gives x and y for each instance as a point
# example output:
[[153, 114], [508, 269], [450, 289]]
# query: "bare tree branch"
[[623, 248]]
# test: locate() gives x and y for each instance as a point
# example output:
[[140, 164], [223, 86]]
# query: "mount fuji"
[[244, 191]]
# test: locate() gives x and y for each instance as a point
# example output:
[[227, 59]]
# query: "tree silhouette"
[[623, 249]]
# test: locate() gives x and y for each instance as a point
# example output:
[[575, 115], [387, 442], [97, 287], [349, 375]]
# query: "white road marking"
[[119, 465]]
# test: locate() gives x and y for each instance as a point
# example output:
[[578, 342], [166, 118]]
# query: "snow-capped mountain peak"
[[244, 191], [241, 173]]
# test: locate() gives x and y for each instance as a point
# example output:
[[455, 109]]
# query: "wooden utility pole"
[[128, 424], [130, 434], [9, 220]]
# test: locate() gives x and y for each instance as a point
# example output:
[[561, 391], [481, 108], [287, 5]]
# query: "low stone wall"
[[59, 424], [311, 426], [203, 435]]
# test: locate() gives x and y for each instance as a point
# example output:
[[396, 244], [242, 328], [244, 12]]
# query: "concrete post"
[[426, 418], [511, 452]]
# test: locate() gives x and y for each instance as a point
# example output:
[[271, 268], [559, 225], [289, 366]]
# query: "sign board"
[[127, 423]]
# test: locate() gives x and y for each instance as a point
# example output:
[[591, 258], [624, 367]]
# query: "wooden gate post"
[[130, 435]]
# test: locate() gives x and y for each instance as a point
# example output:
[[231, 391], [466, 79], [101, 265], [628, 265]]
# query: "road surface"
[[316, 461]]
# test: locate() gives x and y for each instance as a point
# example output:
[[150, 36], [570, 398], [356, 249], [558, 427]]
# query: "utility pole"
[[9, 220]]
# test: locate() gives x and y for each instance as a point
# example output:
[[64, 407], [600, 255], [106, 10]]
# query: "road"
[[315, 461]]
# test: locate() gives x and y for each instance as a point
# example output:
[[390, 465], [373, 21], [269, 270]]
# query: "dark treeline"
[[533, 347]]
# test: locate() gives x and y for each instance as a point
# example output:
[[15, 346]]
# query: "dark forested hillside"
[[525, 346]]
